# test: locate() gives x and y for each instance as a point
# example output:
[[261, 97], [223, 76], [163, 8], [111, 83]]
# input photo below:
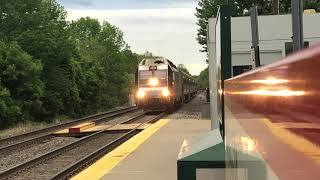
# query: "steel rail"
[[17, 146], [57, 152], [25, 143], [36, 135], [91, 158]]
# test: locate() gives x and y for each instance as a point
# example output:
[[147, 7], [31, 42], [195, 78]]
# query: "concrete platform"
[[153, 153], [156, 159]]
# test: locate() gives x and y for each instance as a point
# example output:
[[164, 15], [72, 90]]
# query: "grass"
[[30, 126]]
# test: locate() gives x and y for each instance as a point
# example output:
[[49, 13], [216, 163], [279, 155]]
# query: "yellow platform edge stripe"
[[299, 143], [109, 161]]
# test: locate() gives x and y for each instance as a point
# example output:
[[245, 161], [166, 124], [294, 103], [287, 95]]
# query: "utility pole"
[[275, 5], [297, 24], [255, 36]]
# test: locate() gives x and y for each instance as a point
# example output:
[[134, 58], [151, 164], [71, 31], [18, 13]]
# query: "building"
[[275, 32]]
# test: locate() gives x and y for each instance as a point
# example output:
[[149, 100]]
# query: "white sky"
[[168, 32]]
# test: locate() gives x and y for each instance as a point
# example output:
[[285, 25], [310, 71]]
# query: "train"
[[160, 85]]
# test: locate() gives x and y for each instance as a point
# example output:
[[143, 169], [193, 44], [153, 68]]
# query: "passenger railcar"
[[160, 85]]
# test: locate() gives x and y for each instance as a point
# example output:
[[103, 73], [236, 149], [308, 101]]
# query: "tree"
[[50, 67], [208, 8], [107, 65], [39, 27], [21, 88], [10, 111], [146, 55], [312, 4], [85, 29], [183, 68], [205, 10], [203, 78]]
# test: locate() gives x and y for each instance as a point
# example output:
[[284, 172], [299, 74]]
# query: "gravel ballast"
[[51, 167], [11, 159], [197, 109]]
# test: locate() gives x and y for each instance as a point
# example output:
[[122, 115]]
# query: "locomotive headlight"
[[165, 92], [141, 93], [153, 81]]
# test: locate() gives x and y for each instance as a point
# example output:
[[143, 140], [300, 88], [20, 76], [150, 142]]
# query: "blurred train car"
[[160, 85]]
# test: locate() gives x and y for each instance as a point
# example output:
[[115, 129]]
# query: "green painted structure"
[[207, 151], [202, 152]]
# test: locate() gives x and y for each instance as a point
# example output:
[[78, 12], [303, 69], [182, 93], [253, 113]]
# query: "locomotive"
[[160, 85]]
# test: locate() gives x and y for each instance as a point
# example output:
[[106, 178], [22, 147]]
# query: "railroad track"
[[65, 162], [26, 139], [22, 152]]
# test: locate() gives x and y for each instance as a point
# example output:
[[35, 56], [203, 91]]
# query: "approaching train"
[[160, 85]]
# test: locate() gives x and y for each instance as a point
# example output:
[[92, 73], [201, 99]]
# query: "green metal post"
[[208, 151], [225, 44]]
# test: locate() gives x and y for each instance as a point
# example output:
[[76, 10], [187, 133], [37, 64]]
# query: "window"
[[237, 70], [160, 74], [289, 47], [146, 75]]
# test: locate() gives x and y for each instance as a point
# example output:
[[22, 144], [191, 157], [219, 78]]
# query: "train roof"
[[156, 61], [162, 61]]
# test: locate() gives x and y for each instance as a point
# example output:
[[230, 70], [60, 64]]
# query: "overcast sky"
[[164, 27]]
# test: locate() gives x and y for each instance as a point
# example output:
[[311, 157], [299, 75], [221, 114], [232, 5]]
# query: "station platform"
[[153, 153]]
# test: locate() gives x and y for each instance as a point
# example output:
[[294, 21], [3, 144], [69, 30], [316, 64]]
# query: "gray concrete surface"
[[156, 159]]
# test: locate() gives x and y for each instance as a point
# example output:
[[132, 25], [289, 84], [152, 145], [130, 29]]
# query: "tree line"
[[51, 67], [203, 79]]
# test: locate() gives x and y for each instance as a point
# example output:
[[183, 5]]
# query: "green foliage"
[[203, 79], [10, 111], [208, 8], [146, 55], [106, 64], [51, 67], [20, 86], [312, 4], [39, 27], [182, 68], [205, 10]]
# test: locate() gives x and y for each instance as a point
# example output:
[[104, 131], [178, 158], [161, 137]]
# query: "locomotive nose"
[[153, 81], [141, 93], [165, 92]]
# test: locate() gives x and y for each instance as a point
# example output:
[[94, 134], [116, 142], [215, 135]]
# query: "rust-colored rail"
[[84, 151], [27, 138]]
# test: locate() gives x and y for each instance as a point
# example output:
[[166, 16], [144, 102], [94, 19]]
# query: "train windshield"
[[161, 75]]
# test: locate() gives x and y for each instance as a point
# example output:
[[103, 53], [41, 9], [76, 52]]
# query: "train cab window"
[[144, 77], [145, 74], [160, 74]]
